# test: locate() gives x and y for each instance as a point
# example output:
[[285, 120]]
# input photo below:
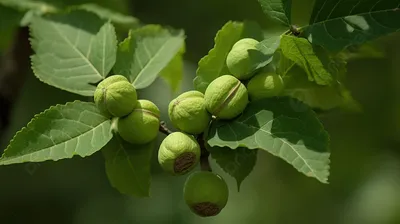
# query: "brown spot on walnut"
[[206, 209], [184, 162]]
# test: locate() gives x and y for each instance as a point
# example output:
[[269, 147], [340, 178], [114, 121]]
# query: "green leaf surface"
[[30, 9], [316, 96], [307, 57], [268, 47], [236, 162], [173, 72], [60, 132], [146, 52], [337, 24], [115, 17], [213, 64], [128, 166], [74, 51], [282, 127], [278, 10], [25, 5]]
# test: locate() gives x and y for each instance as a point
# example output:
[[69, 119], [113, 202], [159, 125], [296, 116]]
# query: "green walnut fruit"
[[205, 193], [243, 58], [141, 126], [188, 112], [226, 97], [179, 153], [115, 96], [265, 85]]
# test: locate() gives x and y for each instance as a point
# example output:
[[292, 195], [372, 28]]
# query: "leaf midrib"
[[63, 142], [76, 49], [136, 83], [342, 17], [142, 189], [285, 142]]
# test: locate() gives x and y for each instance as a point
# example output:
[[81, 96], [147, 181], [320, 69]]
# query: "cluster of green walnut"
[[225, 98]]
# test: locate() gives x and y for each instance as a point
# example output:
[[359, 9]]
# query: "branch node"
[[164, 129]]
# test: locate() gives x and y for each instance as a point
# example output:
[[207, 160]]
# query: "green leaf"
[[73, 51], [146, 52], [238, 162], [25, 5], [278, 10], [316, 96], [173, 72], [307, 57], [60, 132], [268, 47], [213, 64], [337, 24], [283, 127], [115, 17], [30, 8], [128, 166]]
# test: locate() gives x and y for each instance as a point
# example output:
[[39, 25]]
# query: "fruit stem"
[[204, 162], [164, 129]]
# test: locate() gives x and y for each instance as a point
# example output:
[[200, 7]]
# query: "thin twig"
[[164, 129], [204, 162]]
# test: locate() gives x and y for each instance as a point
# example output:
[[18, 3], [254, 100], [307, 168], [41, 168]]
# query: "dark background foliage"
[[365, 169]]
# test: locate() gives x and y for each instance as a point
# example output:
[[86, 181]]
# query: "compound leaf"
[[146, 52], [337, 24], [128, 166], [74, 51], [282, 128], [60, 132]]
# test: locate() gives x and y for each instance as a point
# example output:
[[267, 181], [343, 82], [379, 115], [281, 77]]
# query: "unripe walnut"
[[141, 126], [115, 96], [265, 85], [226, 97], [188, 112], [205, 193], [243, 58], [179, 153]]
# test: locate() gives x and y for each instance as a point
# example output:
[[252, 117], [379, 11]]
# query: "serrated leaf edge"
[[211, 53], [326, 168], [33, 119], [76, 91]]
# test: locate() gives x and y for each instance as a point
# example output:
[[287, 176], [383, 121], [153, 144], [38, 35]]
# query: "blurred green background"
[[365, 163]]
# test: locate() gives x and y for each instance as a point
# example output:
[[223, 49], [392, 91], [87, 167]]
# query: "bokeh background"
[[365, 163]]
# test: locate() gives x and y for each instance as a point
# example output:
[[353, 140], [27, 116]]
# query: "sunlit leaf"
[[60, 132], [146, 52], [305, 55], [74, 51], [213, 64], [282, 127]]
